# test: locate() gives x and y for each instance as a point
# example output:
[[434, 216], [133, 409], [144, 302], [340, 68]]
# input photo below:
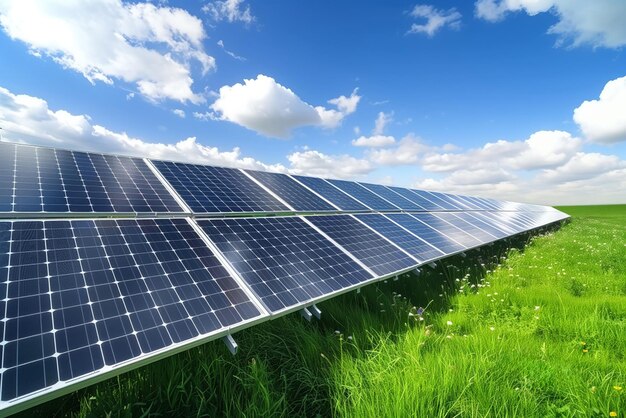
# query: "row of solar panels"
[[50, 181], [87, 298]]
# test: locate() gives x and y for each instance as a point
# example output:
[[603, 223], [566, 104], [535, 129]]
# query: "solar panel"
[[439, 199], [296, 195], [448, 229], [285, 261], [364, 244], [415, 246], [331, 193], [466, 226], [420, 201], [434, 237], [490, 227], [83, 296], [364, 196], [208, 189], [36, 179], [391, 196]]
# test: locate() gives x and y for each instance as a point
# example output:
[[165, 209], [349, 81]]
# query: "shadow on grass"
[[284, 366]]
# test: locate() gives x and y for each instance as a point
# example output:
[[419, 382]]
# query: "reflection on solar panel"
[[415, 246], [82, 299], [444, 243], [284, 260], [331, 193], [35, 179], [298, 197], [215, 189], [83, 295], [364, 244], [448, 229], [466, 227], [391, 196], [364, 196]]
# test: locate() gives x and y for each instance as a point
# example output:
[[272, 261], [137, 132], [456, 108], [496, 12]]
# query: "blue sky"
[[514, 99]]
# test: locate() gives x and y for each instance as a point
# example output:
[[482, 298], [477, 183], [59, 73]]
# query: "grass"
[[530, 331]]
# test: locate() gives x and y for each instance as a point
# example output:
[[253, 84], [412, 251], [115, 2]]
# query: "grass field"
[[533, 332]]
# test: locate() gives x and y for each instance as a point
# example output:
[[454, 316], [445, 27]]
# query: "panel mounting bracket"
[[316, 311], [231, 344], [306, 314], [432, 265]]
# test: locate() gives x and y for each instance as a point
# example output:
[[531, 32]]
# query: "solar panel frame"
[[331, 193], [364, 196], [391, 196], [212, 190], [337, 227], [265, 271], [298, 197], [78, 251]]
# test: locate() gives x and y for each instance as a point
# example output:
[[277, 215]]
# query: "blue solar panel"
[[285, 261], [438, 199], [466, 226], [35, 179], [364, 196], [427, 233], [217, 190], [331, 193], [491, 227], [364, 244], [421, 203], [415, 246], [448, 229], [391, 196], [82, 295], [297, 196]]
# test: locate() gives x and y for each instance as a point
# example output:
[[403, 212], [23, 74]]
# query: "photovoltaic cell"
[[448, 229], [331, 193], [422, 204], [391, 196], [285, 261], [415, 246], [208, 189], [82, 294], [291, 192], [364, 244], [364, 196], [438, 199], [467, 227], [492, 228], [444, 243], [36, 179]]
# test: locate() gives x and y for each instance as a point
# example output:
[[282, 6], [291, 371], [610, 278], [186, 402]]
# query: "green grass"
[[535, 331]]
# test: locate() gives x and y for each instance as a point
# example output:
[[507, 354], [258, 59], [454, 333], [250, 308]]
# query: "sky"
[[521, 100]]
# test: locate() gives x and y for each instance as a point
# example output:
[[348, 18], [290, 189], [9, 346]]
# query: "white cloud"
[[381, 123], [315, 163], [436, 19], [543, 149], [29, 119], [267, 107], [179, 112], [604, 120], [107, 40], [582, 166], [408, 151], [374, 141], [229, 10], [597, 22], [220, 43]]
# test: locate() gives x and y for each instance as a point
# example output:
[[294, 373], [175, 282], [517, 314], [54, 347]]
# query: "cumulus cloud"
[[543, 149], [408, 151], [267, 107], [604, 120], [229, 10], [582, 166], [28, 119], [597, 23], [374, 141], [315, 163], [107, 40], [436, 19], [180, 113], [381, 123]]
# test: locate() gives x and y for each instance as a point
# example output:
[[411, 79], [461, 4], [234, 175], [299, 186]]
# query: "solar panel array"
[[108, 262]]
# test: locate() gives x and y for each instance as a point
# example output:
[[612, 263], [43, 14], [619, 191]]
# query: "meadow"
[[535, 326]]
